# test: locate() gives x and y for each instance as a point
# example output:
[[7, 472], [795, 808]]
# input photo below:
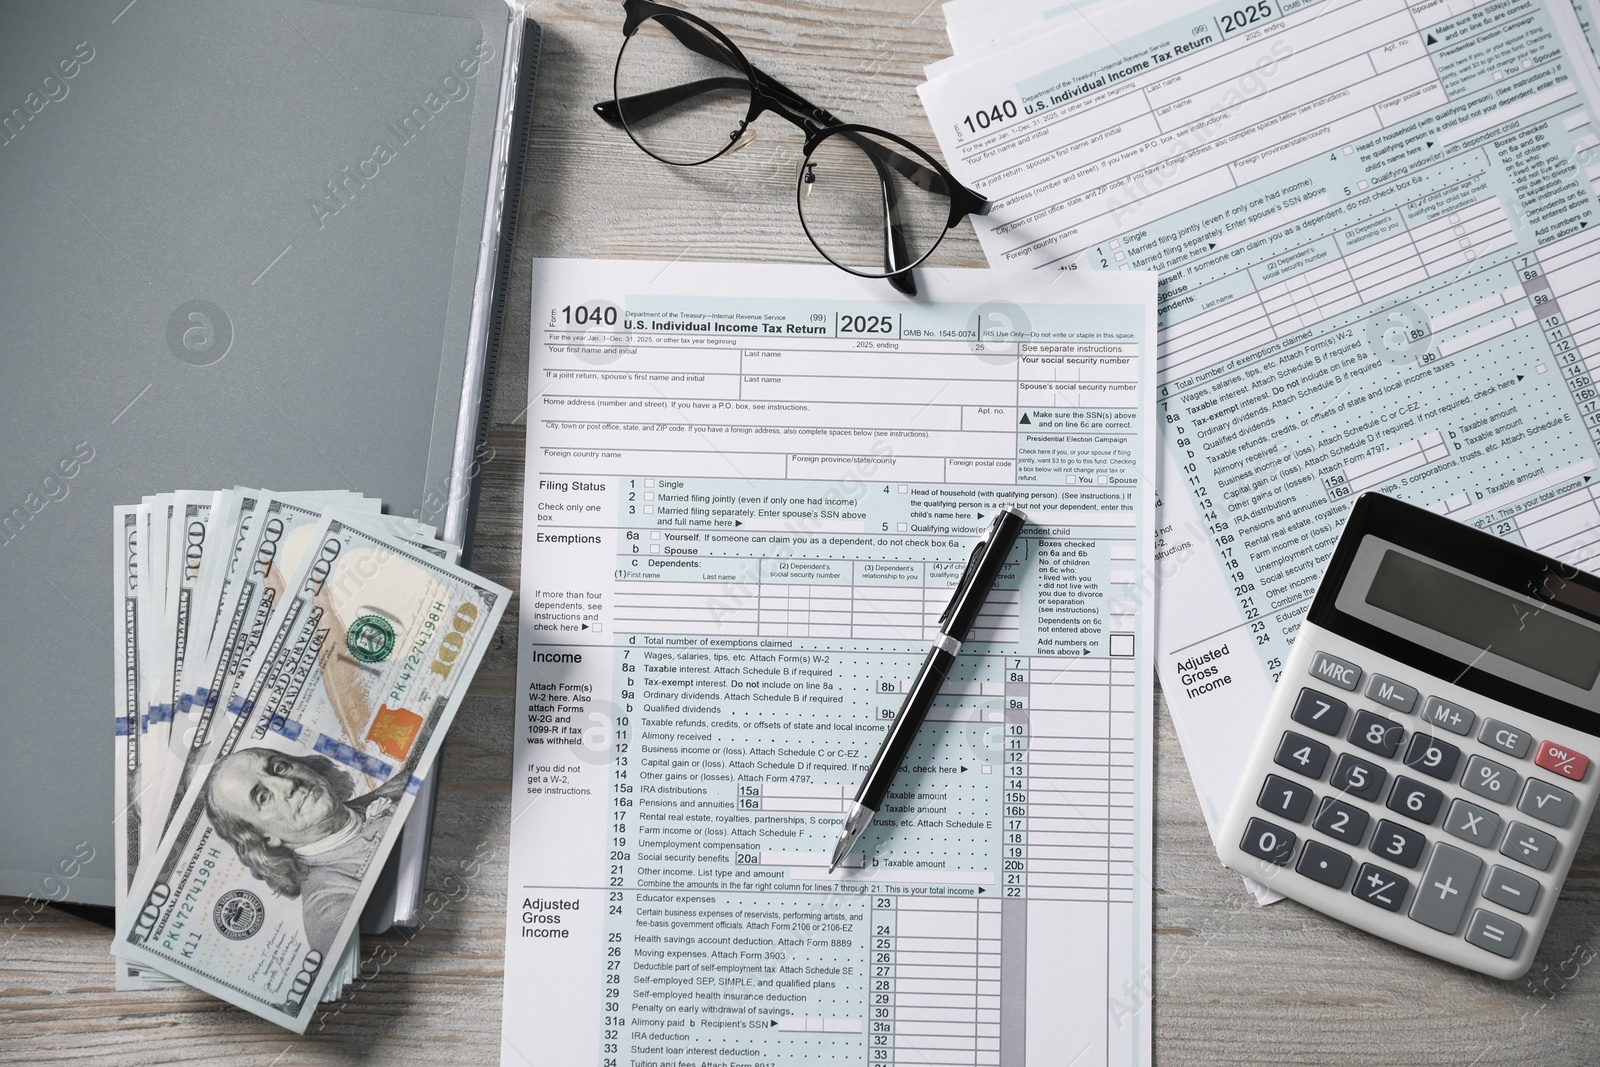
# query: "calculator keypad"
[[1376, 734], [1470, 788]]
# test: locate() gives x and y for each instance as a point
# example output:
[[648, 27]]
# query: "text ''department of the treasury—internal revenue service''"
[[750, 493]]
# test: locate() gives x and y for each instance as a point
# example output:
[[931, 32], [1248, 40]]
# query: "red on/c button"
[[1562, 760]]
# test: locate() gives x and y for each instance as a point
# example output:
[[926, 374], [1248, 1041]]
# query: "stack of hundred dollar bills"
[[286, 667]]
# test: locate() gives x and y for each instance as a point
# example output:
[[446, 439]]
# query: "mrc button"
[[1335, 671], [1562, 760]]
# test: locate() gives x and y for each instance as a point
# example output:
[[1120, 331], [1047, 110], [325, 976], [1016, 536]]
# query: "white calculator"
[[1423, 772]]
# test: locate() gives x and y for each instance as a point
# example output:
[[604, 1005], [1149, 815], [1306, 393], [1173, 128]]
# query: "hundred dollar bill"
[[128, 701], [273, 536], [153, 643], [191, 563], [260, 880]]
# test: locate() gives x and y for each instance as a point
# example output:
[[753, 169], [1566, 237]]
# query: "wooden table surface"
[[1232, 982]]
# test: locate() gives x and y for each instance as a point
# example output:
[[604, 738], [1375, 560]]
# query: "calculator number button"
[[1325, 864], [1511, 889], [1562, 760], [1376, 734], [1283, 797], [1398, 844], [1390, 693], [1337, 819], [1547, 802], [1381, 887], [1499, 935], [1506, 738], [1533, 847], [1446, 888], [1319, 711], [1335, 671], [1414, 800], [1301, 754], [1489, 779], [1472, 823], [1447, 716], [1267, 842], [1432, 757], [1354, 775]]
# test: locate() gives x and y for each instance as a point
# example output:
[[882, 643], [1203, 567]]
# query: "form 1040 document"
[[1377, 232], [750, 493]]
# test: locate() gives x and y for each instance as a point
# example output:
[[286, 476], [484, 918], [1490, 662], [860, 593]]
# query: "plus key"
[[1562, 760]]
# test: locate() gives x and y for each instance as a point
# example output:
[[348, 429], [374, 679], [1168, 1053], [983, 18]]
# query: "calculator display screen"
[[1486, 618]]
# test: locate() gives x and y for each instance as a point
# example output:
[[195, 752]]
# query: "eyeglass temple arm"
[[894, 250], [645, 105]]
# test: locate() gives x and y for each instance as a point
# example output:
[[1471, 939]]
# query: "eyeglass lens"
[[869, 205], [682, 104]]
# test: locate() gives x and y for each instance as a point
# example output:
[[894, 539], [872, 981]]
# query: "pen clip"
[[972, 567]]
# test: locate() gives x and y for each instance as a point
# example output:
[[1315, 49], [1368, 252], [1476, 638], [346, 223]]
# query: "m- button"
[[1387, 691], [1335, 671]]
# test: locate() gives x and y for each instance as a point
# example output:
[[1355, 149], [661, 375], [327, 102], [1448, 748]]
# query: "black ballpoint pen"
[[983, 567]]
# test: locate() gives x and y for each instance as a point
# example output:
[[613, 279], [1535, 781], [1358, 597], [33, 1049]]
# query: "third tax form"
[[1376, 224]]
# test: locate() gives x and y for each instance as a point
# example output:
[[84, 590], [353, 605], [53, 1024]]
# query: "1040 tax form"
[[750, 492], [1377, 231]]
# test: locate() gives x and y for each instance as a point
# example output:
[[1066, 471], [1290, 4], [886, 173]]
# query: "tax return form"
[[1376, 229], [980, 27], [750, 492]]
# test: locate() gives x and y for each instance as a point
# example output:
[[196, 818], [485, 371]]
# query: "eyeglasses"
[[872, 203]]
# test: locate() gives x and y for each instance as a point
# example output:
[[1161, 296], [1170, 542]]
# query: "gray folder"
[[240, 243]]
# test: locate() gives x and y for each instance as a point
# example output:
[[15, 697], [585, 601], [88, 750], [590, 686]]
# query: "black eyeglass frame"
[[815, 123]]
